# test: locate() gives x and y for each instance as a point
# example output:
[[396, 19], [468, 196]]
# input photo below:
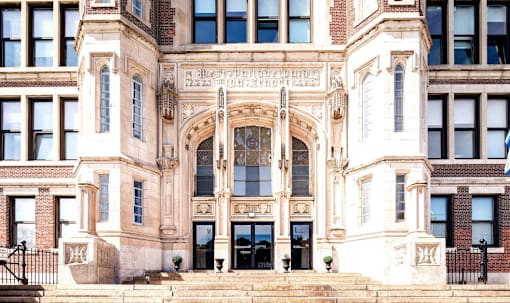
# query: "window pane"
[[72, 18], [265, 188], [435, 113], [11, 117], [12, 51], [267, 32], [299, 8], [104, 181], [43, 115], [24, 209], [205, 31], [482, 208], [239, 188], [435, 20], [71, 56], [138, 8], [436, 52], [496, 20], [252, 173], [464, 113], [12, 146], [265, 173], [463, 51], [497, 113], [299, 31], [464, 144], [496, 147], [268, 8], [71, 115], [236, 8], [482, 230], [42, 26], [43, 53], [438, 207], [438, 230], [43, 146], [67, 208], [236, 31], [71, 145], [496, 50], [25, 232], [434, 145], [11, 26], [205, 7], [464, 20]]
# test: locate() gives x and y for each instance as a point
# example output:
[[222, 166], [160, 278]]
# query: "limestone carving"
[[167, 97], [427, 254], [75, 253], [256, 208]]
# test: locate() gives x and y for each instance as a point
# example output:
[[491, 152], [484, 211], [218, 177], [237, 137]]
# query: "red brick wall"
[[4, 219], [166, 23], [102, 10], [12, 172], [461, 219], [45, 219], [338, 26]]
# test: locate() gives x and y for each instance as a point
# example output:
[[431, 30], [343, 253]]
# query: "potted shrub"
[[286, 262], [219, 263], [177, 262], [328, 260]]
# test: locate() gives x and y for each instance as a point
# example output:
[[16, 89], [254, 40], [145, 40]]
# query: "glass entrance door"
[[203, 245], [301, 245], [252, 246]]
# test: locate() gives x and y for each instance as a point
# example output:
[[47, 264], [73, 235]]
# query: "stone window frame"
[[365, 203], [370, 67], [100, 3], [146, 11], [97, 61]]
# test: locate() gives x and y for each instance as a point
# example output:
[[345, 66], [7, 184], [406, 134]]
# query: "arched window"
[[252, 161], [104, 106], [137, 107], [300, 168], [205, 172], [368, 107], [399, 96]]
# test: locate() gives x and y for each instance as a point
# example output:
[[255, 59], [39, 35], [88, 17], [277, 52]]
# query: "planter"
[[177, 266], [328, 266], [219, 264], [177, 260], [286, 264]]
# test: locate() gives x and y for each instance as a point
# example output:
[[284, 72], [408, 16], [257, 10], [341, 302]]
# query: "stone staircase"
[[253, 287]]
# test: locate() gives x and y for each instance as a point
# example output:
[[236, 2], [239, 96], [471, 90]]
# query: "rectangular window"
[[204, 21], [11, 37], [436, 119], [137, 107], [299, 21], [436, 17], [10, 131], [138, 8], [24, 221], [42, 130], [71, 18], [104, 107], [365, 201], [439, 217], [400, 197], [268, 13], [497, 26], [42, 30], [70, 130], [138, 202], [466, 125], [67, 217], [483, 220], [235, 23], [497, 127], [104, 197], [465, 31]]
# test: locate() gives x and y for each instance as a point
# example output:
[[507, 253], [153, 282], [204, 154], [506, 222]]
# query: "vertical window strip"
[[138, 202], [483, 220], [300, 168], [104, 198], [400, 197], [368, 114], [439, 217], [205, 171], [365, 201], [466, 128], [104, 106], [204, 21], [24, 221], [137, 107], [71, 18], [42, 130], [71, 126], [498, 125], [398, 98], [299, 21]]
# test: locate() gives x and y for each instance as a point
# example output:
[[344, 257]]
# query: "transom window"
[[252, 161], [205, 168], [300, 168]]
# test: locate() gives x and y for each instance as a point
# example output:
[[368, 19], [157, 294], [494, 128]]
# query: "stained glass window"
[[205, 172]]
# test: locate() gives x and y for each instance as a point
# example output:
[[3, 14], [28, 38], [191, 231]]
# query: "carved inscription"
[[252, 77]]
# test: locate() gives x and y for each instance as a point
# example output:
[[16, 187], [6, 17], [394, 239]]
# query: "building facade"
[[246, 130]]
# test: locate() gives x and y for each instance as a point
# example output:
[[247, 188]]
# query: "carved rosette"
[[167, 97]]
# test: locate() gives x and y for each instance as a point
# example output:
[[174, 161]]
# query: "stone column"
[[87, 219], [167, 164]]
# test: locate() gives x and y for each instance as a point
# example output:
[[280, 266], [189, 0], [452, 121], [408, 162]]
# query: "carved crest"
[[167, 97]]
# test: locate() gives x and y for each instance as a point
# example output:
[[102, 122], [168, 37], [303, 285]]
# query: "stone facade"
[[149, 185]]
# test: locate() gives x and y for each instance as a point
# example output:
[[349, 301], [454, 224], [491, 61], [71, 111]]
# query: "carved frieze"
[[189, 109], [301, 207], [251, 77], [245, 208], [203, 207]]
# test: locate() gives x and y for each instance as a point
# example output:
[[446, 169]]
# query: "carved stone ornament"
[[75, 253], [400, 254], [167, 97], [338, 162], [428, 254]]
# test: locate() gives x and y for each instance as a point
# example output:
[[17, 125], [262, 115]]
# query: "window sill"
[[400, 2], [101, 5]]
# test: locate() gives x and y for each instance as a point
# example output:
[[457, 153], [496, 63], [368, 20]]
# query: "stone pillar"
[[167, 164], [88, 210]]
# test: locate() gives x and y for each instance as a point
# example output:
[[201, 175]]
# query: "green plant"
[[327, 259], [286, 257], [177, 259]]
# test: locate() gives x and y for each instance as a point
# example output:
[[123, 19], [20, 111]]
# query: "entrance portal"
[[301, 245], [252, 246]]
